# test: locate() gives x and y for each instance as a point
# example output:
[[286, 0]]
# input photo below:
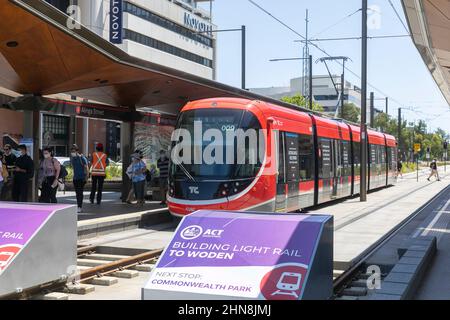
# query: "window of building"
[[167, 24], [162, 46], [62, 5]]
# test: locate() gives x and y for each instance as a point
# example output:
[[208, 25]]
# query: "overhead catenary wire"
[[322, 50], [398, 16], [337, 23]]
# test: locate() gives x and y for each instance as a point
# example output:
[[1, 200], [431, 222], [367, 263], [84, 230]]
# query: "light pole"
[[310, 93], [344, 59], [243, 31], [363, 156]]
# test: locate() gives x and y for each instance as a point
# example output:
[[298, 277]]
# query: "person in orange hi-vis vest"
[[99, 163]]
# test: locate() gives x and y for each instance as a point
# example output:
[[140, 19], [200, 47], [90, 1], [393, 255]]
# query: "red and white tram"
[[307, 160]]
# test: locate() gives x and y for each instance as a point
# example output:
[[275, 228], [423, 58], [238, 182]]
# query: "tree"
[[300, 100], [351, 112]]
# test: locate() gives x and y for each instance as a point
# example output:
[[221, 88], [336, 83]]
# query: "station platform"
[[113, 215], [358, 225], [435, 285]]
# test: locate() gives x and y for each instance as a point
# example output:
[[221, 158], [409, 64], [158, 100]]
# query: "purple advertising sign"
[[240, 254], [18, 224]]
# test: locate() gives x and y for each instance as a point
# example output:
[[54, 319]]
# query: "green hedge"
[[113, 173]]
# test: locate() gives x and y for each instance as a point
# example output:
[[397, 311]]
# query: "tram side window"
[[306, 157], [392, 152], [346, 158], [356, 157], [324, 158], [381, 154], [373, 154]]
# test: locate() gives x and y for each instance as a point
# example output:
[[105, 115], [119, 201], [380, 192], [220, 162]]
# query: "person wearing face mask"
[[131, 193], [9, 158], [51, 169], [80, 174], [23, 172], [163, 166], [137, 171]]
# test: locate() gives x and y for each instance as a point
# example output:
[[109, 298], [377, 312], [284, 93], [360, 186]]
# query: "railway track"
[[352, 283], [93, 269]]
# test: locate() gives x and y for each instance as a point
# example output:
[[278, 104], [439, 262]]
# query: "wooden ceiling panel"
[[50, 59]]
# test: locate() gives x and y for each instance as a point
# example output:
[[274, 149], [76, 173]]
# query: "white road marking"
[[433, 222]]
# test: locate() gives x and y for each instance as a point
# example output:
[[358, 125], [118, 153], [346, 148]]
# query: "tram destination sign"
[[236, 255]]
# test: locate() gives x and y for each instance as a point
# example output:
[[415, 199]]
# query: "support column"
[[72, 131], [126, 149], [32, 129], [85, 148]]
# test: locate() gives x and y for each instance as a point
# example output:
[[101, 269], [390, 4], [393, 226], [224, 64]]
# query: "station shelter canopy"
[[39, 55], [429, 22]]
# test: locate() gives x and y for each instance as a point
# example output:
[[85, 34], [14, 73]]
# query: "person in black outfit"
[[9, 157], [23, 172], [163, 166]]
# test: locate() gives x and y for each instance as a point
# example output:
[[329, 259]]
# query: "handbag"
[[85, 170], [61, 186], [5, 173]]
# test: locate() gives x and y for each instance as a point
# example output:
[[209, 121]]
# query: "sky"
[[395, 68]]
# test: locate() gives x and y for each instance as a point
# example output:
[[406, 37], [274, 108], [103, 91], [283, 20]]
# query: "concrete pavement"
[[360, 224]]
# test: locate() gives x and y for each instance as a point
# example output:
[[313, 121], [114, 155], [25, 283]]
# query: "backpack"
[[62, 173], [148, 176]]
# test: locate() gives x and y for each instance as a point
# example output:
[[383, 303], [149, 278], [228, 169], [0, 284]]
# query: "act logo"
[[191, 232]]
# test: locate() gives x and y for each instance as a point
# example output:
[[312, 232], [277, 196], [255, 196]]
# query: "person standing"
[[51, 169], [138, 169], [3, 173], [434, 170], [399, 168], [9, 157], [131, 194], [98, 171], [163, 166], [23, 172], [80, 174]]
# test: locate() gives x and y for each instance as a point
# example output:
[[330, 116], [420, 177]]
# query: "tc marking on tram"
[[194, 190]]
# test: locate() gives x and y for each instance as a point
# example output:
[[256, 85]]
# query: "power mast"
[[306, 69]]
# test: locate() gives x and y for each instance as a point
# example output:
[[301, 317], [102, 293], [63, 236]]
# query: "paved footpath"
[[111, 205], [360, 224]]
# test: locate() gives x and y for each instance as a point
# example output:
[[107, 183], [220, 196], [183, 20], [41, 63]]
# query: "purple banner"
[[18, 224], [222, 239]]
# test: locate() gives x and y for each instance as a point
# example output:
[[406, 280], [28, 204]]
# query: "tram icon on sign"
[[191, 232], [288, 284]]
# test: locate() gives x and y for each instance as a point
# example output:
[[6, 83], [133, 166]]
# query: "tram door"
[[281, 197], [289, 173], [335, 167]]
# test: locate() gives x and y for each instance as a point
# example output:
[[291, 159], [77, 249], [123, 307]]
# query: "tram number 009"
[[249, 310], [228, 127]]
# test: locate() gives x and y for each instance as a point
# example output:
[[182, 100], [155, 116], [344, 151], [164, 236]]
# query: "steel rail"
[[118, 265], [359, 261]]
